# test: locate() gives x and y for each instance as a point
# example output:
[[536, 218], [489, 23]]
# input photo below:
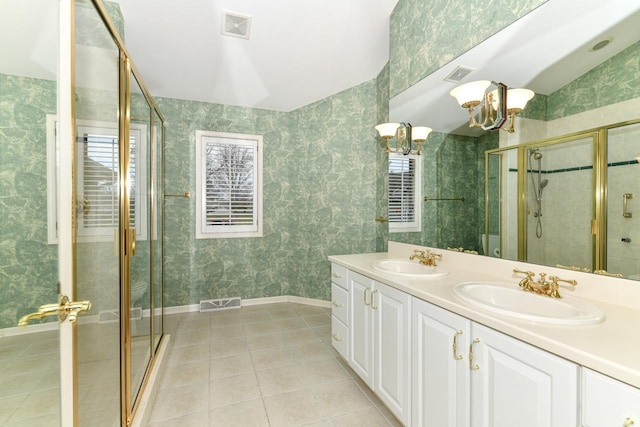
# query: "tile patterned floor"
[[265, 365]]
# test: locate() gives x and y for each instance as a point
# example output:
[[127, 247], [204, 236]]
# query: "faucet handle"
[[529, 274], [553, 291], [556, 279]]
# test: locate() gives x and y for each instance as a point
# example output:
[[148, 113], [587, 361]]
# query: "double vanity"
[[460, 343]]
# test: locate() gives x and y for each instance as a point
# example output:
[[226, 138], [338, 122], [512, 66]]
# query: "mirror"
[[578, 85]]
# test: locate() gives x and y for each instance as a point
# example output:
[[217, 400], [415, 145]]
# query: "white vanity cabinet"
[[379, 320], [514, 383], [607, 402], [440, 371], [340, 310], [467, 374]]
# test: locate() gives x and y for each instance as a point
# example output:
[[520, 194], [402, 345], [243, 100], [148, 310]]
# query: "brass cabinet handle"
[[471, 365], [64, 309], [337, 338], [456, 356], [336, 304], [364, 295], [629, 422], [373, 306]]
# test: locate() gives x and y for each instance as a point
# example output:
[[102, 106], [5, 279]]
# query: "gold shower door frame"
[[598, 217], [599, 137], [67, 215]]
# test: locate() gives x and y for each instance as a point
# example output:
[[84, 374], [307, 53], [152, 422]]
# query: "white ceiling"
[[300, 51]]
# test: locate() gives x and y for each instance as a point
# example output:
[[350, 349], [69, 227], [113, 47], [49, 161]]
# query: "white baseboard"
[[29, 329], [84, 319], [252, 302]]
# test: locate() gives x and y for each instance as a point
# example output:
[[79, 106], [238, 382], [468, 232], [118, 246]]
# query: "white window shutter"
[[404, 193]]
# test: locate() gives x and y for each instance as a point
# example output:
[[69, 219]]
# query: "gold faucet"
[[426, 257], [543, 286]]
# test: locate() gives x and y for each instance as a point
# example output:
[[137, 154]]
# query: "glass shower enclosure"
[[80, 215]]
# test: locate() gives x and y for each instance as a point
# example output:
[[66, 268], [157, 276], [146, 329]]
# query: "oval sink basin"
[[405, 267], [510, 300]]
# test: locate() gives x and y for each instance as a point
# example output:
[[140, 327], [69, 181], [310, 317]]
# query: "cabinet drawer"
[[339, 275], [339, 335], [340, 303], [607, 402]]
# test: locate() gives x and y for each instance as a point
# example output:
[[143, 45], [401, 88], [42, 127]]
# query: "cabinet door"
[[361, 327], [607, 402], [516, 384], [441, 375], [392, 378]]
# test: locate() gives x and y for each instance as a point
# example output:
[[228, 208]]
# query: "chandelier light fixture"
[[405, 135]]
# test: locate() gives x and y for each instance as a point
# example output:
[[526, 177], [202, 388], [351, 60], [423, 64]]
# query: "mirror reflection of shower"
[[538, 184]]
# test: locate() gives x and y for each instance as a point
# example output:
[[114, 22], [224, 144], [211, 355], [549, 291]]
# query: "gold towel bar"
[[186, 195], [462, 199]]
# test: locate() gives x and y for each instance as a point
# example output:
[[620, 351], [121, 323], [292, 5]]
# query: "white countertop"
[[611, 347]]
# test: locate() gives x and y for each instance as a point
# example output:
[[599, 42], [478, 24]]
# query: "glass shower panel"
[[560, 203], [157, 204], [97, 199], [140, 182], [623, 201], [29, 356]]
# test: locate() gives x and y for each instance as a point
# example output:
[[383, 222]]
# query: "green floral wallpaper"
[[452, 167], [319, 198], [612, 81], [426, 34], [382, 177], [324, 170], [28, 265]]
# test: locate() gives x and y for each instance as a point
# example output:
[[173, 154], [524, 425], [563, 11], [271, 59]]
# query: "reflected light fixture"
[[405, 135], [470, 96], [516, 101], [488, 100]]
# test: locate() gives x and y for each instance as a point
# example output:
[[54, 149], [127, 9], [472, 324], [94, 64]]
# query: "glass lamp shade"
[[470, 93], [420, 133], [387, 130], [517, 98]]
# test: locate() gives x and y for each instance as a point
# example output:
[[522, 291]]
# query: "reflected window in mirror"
[[404, 193]]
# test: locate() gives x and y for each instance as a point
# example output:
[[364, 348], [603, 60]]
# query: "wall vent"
[[458, 74], [236, 25], [220, 304]]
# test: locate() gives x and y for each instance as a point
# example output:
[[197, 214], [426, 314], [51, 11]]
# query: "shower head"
[[537, 155]]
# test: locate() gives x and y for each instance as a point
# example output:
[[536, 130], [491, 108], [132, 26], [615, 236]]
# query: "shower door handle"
[[64, 309]]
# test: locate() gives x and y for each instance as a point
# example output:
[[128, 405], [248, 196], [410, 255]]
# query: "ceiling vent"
[[458, 74], [236, 25]]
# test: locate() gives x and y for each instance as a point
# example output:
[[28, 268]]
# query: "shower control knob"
[[626, 239]]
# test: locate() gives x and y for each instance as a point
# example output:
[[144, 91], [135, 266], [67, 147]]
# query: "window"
[[97, 180], [228, 185], [404, 193]]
